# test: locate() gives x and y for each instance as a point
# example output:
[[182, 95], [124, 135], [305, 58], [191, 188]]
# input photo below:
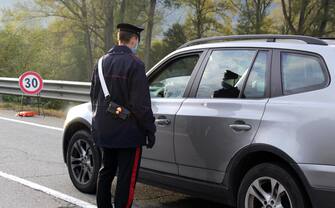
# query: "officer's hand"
[[151, 141]]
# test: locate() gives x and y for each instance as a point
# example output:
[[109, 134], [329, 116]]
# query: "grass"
[[17, 107]]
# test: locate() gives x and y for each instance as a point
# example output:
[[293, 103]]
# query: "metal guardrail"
[[56, 89]]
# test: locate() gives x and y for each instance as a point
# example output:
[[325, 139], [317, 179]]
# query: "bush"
[[33, 101]]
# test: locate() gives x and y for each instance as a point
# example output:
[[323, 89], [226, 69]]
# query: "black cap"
[[130, 28]]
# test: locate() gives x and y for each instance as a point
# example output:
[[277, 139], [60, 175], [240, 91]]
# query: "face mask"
[[135, 48]]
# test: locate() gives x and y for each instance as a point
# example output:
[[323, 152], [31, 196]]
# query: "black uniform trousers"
[[127, 162]]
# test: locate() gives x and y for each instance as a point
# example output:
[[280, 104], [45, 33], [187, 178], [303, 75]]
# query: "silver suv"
[[248, 121]]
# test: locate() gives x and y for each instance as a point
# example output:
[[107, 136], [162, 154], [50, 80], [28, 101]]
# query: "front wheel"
[[83, 162], [269, 186]]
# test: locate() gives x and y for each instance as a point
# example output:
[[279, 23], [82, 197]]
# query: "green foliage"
[[253, 16], [62, 39], [207, 17], [11, 98], [174, 37], [45, 103], [310, 17]]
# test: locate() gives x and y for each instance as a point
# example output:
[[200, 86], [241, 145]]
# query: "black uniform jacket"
[[128, 86]]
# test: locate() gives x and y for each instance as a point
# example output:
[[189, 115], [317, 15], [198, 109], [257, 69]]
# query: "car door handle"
[[240, 126], [162, 121]]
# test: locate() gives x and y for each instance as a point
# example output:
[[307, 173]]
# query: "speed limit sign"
[[31, 83]]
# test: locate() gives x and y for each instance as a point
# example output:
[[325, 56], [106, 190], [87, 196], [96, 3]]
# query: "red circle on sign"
[[35, 75]]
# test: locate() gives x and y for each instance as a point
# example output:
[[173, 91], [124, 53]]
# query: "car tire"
[[83, 162], [261, 185]]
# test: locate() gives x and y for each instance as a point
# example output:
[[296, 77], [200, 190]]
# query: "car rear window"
[[301, 72]]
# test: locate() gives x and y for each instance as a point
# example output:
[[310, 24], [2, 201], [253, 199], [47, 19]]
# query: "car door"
[[223, 112], [168, 87]]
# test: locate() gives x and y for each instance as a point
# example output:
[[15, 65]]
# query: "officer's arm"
[[139, 100]]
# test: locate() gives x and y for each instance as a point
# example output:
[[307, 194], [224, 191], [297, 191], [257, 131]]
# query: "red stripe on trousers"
[[133, 178]]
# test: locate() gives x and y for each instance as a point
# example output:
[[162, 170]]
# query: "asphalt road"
[[33, 153]]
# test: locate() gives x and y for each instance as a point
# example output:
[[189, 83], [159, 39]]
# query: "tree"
[[95, 19], [75, 33], [325, 20], [206, 17], [309, 17], [122, 10], [52, 52], [174, 37], [79, 12], [148, 37], [201, 18], [108, 6], [252, 15]]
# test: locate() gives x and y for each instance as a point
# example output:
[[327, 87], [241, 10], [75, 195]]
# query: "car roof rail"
[[268, 37], [330, 41]]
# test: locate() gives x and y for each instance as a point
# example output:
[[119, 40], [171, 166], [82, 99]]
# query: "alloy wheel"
[[81, 161], [267, 192]]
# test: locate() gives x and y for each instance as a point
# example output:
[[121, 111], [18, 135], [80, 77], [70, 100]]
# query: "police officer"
[[121, 140]]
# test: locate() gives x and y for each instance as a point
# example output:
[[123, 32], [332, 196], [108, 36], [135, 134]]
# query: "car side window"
[[225, 73], [301, 72], [172, 79], [256, 83]]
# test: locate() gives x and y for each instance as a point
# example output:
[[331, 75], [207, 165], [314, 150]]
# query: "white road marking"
[[31, 124], [38, 187], [48, 191]]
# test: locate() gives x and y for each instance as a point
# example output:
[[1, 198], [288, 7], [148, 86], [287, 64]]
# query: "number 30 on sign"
[[31, 83]]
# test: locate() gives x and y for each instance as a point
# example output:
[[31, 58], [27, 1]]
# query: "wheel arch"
[[255, 154], [70, 129]]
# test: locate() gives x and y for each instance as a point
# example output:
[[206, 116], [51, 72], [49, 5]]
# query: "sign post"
[[31, 83]]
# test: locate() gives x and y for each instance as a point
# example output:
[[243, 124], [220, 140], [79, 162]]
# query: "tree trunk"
[[198, 12], [109, 23], [80, 12], [325, 18], [287, 16], [123, 10], [258, 16], [88, 46], [87, 36], [302, 15], [148, 37]]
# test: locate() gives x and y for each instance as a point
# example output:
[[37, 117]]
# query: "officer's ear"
[[133, 40]]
